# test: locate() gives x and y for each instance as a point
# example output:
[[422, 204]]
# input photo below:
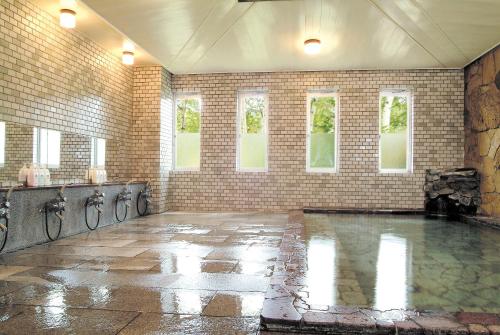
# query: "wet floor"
[[174, 273], [404, 262]]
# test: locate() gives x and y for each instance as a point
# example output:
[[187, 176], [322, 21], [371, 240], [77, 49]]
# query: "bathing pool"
[[401, 262]]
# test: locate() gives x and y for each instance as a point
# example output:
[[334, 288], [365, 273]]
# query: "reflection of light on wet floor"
[[100, 294], [321, 271], [56, 297], [251, 304], [390, 289], [52, 317], [187, 265], [184, 302]]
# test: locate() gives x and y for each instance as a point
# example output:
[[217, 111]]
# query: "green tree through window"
[[254, 114], [394, 117], [323, 115], [188, 116]]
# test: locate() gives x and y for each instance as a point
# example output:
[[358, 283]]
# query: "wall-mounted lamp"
[[312, 46], [128, 53], [67, 14]]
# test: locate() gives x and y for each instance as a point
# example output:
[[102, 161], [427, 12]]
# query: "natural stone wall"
[[482, 127]]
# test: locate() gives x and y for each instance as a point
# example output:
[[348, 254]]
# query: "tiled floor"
[[174, 273]]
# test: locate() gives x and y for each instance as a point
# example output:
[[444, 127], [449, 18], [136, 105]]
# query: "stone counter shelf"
[[27, 223], [58, 186]]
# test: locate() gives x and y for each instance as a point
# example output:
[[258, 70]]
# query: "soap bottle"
[[23, 175]]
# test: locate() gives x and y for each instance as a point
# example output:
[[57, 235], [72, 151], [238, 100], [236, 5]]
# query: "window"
[[187, 132], [395, 132], [252, 132], [322, 132], [98, 152], [2, 144], [46, 147]]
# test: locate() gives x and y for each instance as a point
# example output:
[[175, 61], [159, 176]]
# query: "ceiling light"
[[67, 14], [312, 46], [67, 18], [128, 58], [128, 52]]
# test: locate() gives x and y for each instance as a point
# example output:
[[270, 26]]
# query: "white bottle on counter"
[[22, 177], [32, 180], [46, 177], [104, 176]]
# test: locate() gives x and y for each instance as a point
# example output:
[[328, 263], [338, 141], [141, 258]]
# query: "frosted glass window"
[[252, 131], [395, 132], [46, 147], [98, 150], [2, 144], [187, 132], [322, 131]]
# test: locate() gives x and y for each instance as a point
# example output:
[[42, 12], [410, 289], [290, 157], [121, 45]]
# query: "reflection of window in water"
[[321, 272], [391, 284], [188, 302]]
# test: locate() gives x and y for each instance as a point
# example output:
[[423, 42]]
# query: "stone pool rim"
[[283, 310]]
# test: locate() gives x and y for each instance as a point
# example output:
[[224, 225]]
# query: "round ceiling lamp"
[[312, 46], [128, 53], [67, 14]]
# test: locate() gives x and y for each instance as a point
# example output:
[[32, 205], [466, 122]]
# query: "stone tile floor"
[[175, 273]]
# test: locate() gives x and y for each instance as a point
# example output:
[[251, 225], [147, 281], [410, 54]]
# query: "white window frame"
[[37, 137], [239, 114], [409, 131], [180, 96], [310, 95], [94, 151], [3, 143]]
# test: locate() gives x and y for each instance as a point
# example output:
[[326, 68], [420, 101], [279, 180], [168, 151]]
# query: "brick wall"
[[151, 130], [438, 141], [17, 138], [59, 79], [482, 127]]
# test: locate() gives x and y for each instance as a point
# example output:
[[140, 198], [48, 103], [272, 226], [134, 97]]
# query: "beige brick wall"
[[438, 141], [59, 79], [151, 131]]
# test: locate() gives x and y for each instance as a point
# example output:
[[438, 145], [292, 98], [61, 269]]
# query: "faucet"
[[96, 200], [56, 206], [146, 195], [5, 216], [126, 196], [5, 209]]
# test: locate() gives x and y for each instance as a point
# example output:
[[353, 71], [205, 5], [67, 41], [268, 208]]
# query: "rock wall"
[[482, 126]]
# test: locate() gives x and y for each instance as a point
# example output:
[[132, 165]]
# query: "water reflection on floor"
[[388, 261], [176, 273]]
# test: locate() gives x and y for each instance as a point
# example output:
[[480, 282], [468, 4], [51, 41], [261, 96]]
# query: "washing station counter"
[[41, 214]]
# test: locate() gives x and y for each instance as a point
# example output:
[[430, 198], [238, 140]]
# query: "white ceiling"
[[203, 36]]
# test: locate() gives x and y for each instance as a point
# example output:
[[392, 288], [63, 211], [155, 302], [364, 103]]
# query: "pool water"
[[401, 262]]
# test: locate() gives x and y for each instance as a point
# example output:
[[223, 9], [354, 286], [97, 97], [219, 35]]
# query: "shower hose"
[[47, 226], [117, 200], [146, 207], [86, 216], [5, 228]]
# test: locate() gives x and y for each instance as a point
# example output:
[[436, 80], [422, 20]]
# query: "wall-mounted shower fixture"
[[145, 198], [5, 217], [97, 201], [56, 206], [125, 196]]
